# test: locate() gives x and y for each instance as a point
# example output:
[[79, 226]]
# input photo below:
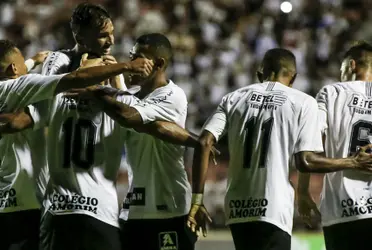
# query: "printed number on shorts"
[[79, 143]]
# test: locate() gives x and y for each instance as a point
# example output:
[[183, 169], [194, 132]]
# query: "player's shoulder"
[[171, 91], [339, 87]]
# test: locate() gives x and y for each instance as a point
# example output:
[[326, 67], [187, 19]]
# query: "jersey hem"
[[151, 216], [340, 221], [114, 224], [282, 227], [19, 210]]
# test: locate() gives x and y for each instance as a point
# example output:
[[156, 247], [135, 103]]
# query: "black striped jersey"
[[266, 124], [345, 115], [84, 148]]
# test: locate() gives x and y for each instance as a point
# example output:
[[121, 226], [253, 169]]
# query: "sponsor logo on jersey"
[[273, 100], [352, 207], [73, 202], [362, 105], [248, 208], [135, 198], [168, 241], [8, 198]]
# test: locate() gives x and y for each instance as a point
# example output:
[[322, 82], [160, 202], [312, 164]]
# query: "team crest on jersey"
[[168, 241], [273, 100]]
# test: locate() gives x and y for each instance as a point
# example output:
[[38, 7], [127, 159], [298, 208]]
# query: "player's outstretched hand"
[[141, 66], [306, 205], [109, 59], [40, 57], [363, 158], [198, 218], [87, 63]]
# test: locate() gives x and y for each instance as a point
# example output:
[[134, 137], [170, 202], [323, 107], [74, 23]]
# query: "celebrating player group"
[[58, 191]]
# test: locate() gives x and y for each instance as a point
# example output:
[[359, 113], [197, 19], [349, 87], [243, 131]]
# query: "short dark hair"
[[6, 46], [159, 42], [87, 14], [361, 52], [278, 59]]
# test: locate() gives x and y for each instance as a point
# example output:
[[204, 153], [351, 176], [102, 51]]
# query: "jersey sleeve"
[[169, 104], [56, 63], [127, 99], [309, 133], [33, 88], [40, 113], [217, 123], [322, 99]]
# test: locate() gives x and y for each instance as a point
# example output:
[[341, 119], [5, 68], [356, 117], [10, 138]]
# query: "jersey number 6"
[[360, 135], [79, 149]]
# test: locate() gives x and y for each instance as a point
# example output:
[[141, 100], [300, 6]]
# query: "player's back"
[[345, 117], [264, 122]]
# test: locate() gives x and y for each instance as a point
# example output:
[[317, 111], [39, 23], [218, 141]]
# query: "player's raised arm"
[[92, 74]]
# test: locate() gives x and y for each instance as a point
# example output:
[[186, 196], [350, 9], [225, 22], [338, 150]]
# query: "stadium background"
[[218, 44]]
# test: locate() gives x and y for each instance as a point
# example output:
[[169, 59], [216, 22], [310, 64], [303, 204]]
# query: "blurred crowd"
[[218, 44]]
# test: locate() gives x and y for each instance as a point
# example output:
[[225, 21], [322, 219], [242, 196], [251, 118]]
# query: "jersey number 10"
[[74, 144], [261, 146]]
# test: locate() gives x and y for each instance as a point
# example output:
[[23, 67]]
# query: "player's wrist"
[[30, 64], [197, 199]]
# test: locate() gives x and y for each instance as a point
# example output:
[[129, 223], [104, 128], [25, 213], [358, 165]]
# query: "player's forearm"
[[14, 122], [303, 183], [169, 132], [89, 76], [310, 162], [122, 113], [201, 162]]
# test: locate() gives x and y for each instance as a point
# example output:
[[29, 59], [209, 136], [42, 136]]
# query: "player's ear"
[[259, 76], [292, 80], [352, 65], [11, 70], [159, 63], [79, 39]]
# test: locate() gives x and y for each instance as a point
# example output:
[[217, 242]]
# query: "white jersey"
[[17, 182], [345, 116], [158, 184], [266, 124], [84, 152]]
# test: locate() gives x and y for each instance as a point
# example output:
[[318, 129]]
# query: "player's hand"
[[109, 59], [40, 57], [87, 63], [141, 66], [363, 158], [306, 204], [198, 218]]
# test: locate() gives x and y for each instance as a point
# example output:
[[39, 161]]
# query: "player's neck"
[[158, 82], [363, 76], [80, 49]]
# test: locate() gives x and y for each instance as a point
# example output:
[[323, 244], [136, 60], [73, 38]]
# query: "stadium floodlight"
[[286, 7]]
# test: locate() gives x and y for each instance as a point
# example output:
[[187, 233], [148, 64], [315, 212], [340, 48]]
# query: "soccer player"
[[159, 196], [346, 123], [267, 124], [19, 208], [92, 30]]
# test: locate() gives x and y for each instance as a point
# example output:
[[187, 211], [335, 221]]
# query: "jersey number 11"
[[262, 145]]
